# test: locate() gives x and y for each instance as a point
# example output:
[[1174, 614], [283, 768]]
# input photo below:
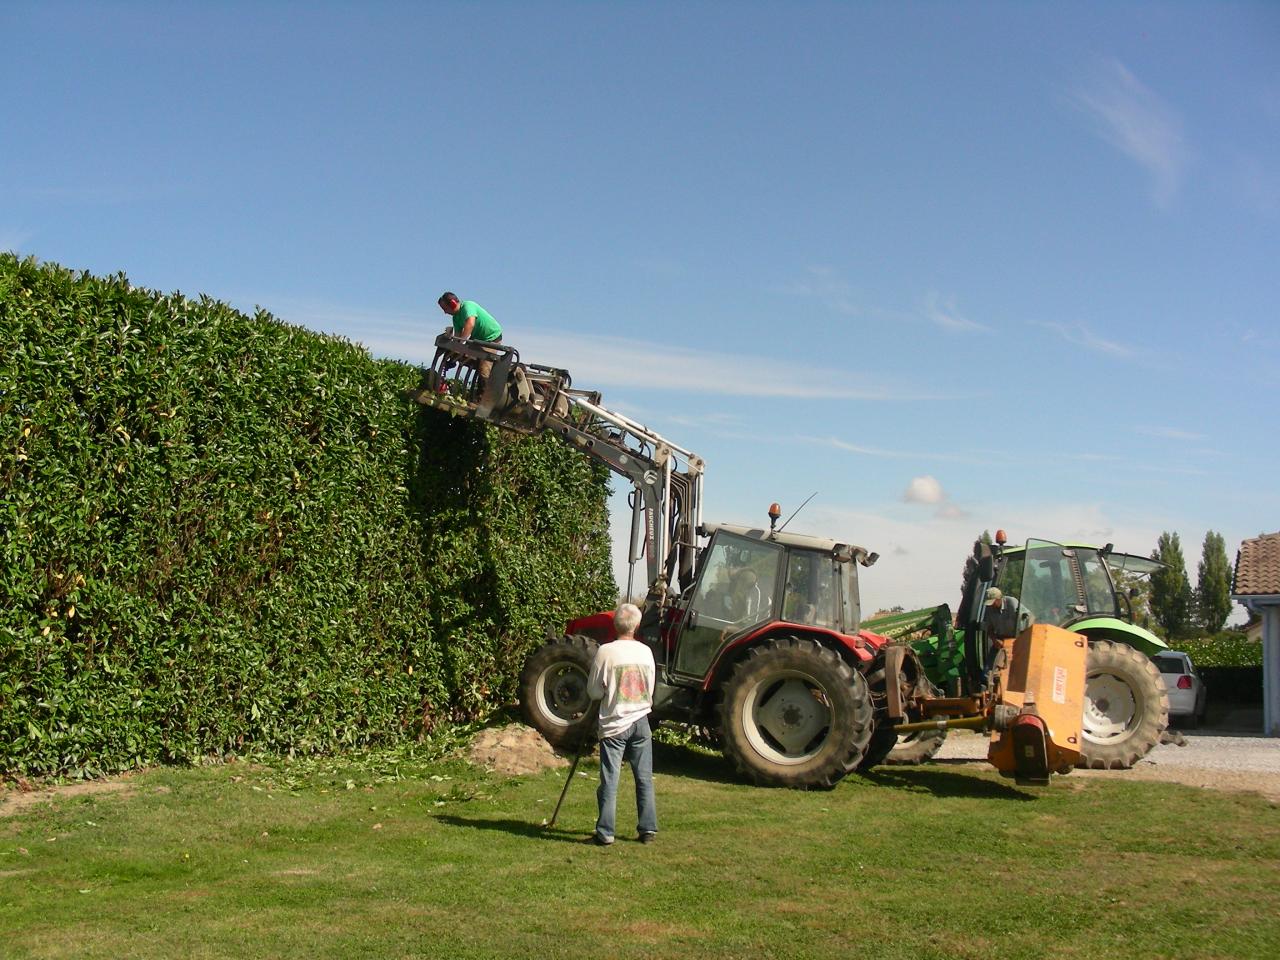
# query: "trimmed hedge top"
[[221, 532]]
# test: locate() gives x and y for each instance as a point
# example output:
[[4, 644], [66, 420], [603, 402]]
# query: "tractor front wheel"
[[795, 714], [553, 690], [1126, 707]]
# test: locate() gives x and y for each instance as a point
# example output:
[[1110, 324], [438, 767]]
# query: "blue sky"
[[952, 266]]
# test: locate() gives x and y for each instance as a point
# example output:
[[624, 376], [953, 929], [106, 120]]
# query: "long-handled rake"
[[573, 768]]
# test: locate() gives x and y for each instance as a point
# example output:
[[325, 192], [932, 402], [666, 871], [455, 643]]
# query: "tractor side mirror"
[[986, 568]]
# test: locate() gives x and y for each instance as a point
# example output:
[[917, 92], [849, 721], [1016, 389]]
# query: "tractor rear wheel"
[[553, 690], [795, 715], [1126, 707]]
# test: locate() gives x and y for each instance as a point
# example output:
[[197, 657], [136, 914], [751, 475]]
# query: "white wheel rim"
[[784, 715], [562, 694], [1110, 710]]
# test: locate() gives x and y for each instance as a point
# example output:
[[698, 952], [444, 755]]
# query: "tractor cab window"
[[812, 594], [734, 592], [1099, 594], [1009, 579], [1048, 583]]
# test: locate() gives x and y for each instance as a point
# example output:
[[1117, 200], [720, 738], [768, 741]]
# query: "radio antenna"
[[798, 509]]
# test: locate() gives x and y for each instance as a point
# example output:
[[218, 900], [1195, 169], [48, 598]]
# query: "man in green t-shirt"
[[470, 320]]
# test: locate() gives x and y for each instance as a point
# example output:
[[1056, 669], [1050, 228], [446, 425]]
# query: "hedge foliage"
[[1230, 648], [223, 533]]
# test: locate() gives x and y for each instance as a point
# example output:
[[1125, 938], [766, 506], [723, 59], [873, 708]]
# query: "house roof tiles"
[[1258, 567]]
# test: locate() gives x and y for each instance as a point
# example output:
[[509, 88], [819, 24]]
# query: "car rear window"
[[1169, 665]]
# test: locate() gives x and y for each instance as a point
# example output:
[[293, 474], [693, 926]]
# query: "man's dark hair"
[[448, 295]]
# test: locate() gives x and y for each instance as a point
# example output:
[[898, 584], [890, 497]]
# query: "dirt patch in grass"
[[514, 750], [14, 800]]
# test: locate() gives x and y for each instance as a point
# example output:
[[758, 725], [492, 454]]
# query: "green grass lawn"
[[439, 860]]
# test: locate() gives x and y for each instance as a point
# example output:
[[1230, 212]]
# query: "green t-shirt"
[[486, 328]]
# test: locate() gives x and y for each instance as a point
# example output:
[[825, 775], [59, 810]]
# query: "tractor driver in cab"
[[1006, 617]]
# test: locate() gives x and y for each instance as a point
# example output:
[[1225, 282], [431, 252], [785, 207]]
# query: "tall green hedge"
[[221, 532]]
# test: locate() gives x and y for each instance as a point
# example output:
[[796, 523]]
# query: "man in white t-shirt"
[[622, 678]]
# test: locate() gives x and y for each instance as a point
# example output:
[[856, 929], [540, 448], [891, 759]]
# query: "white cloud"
[[927, 490], [945, 314], [1170, 433], [1138, 123], [1082, 336], [924, 489]]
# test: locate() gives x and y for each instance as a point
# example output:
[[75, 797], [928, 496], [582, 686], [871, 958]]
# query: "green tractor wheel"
[[1126, 707]]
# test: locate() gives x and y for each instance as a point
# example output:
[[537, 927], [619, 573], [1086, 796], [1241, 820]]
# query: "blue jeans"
[[635, 746]]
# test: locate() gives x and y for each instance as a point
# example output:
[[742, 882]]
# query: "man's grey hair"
[[625, 619]]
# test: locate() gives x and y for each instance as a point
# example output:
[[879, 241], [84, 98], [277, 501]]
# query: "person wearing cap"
[[1006, 616]]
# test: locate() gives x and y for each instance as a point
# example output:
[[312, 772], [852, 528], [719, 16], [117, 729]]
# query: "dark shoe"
[[599, 841], [647, 837]]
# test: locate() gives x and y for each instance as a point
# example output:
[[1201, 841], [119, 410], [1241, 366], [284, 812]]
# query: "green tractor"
[[1081, 588]]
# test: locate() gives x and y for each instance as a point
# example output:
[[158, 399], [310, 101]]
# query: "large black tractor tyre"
[[795, 714], [887, 747], [553, 691], [1126, 707]]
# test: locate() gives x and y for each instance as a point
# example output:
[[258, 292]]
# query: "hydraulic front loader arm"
[[666, 502]]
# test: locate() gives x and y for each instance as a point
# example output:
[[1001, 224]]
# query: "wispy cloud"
[[824, 285], [603, 361], [1138, 123], [1082, 336], [838, 444], [12, 239], [946, 315], [1255, 184], [101, 194], [1259, 338], [617, 361], [1169, 433]]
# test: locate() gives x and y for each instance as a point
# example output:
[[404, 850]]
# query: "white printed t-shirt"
[[622, 678]]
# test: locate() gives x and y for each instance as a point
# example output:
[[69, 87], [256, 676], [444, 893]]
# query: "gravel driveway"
[[1238, 762]]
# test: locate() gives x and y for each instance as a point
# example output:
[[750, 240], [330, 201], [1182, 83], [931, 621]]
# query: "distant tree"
[[969, 562], [1171, 598], [1137, 589], [1213, 589]]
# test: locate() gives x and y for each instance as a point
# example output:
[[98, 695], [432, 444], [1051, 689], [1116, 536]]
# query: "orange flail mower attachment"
[[1038, 719]]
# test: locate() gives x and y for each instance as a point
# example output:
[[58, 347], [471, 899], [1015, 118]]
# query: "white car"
[[1186, 690]]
